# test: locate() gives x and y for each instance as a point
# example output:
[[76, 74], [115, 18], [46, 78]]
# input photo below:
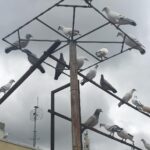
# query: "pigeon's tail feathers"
[[56, 76], [131, 22], [114, 90], [120, 103], [41, 69], [142, 51], [9, 49], [83, 82]]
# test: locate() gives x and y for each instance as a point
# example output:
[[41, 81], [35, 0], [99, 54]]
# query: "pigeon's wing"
[[124, 20], [115, 16], [59, 69], [90, 122], [136, 41], [32, 58], [108, 86]]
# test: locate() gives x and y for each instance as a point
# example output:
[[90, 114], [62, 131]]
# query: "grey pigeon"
[[93, 120], [90, 75], [106, 85], [126, 97], [146, 145], [111, 128], [16, 46], [117, 18], [59, 67], [68, 31], [134, 43], [33, 59], [6, 87]]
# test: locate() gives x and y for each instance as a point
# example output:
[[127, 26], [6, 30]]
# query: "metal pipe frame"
[[53, 115], [95, 130], [47, 54]]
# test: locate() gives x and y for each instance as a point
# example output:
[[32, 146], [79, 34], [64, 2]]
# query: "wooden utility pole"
[[75, 99]]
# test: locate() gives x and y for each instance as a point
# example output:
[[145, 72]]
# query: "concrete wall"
[[6, 145]]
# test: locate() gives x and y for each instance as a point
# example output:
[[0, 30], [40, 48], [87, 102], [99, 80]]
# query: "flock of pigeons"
[[112, 129], [131, 41]]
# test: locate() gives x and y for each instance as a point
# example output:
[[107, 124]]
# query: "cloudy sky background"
[[127, 71]]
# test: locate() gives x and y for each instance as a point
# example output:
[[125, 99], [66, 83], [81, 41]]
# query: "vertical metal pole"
[[75, 99], [52, 122]]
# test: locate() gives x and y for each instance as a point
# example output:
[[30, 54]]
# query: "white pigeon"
[[137, 103], [93, 120], [102, 53], [59, 67], [90, 75], [126, 97], [33, 59], [6, 87], [80, 62], [23, 44], [125, 135], [133, 43], [117, 18], [68, 31], [111, 128], [146, 145], [106, 85]]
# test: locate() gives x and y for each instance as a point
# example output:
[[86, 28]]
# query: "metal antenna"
[[35, 114]]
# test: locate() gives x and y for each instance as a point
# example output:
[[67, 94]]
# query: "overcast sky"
[[127, 71]]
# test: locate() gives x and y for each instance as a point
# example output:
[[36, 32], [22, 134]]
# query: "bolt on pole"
[[75, 99]]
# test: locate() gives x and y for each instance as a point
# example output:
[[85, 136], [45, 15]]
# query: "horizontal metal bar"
[[105, 42], [30, 71], [96, 131], [61, 88], [43, 40], [80, 6], [33, 19]]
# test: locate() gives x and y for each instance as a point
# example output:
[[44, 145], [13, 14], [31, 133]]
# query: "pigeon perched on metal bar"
[[117, 18], [146, 145], [93, 120], [106, 85], [102, 53], [59, 66], [126, 97], [137, 103], [111, 128], [33, 59], [133, 43], [68, 31], [80, 62], [16, 45], [6, 87], [125, 135], [90, 75]]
